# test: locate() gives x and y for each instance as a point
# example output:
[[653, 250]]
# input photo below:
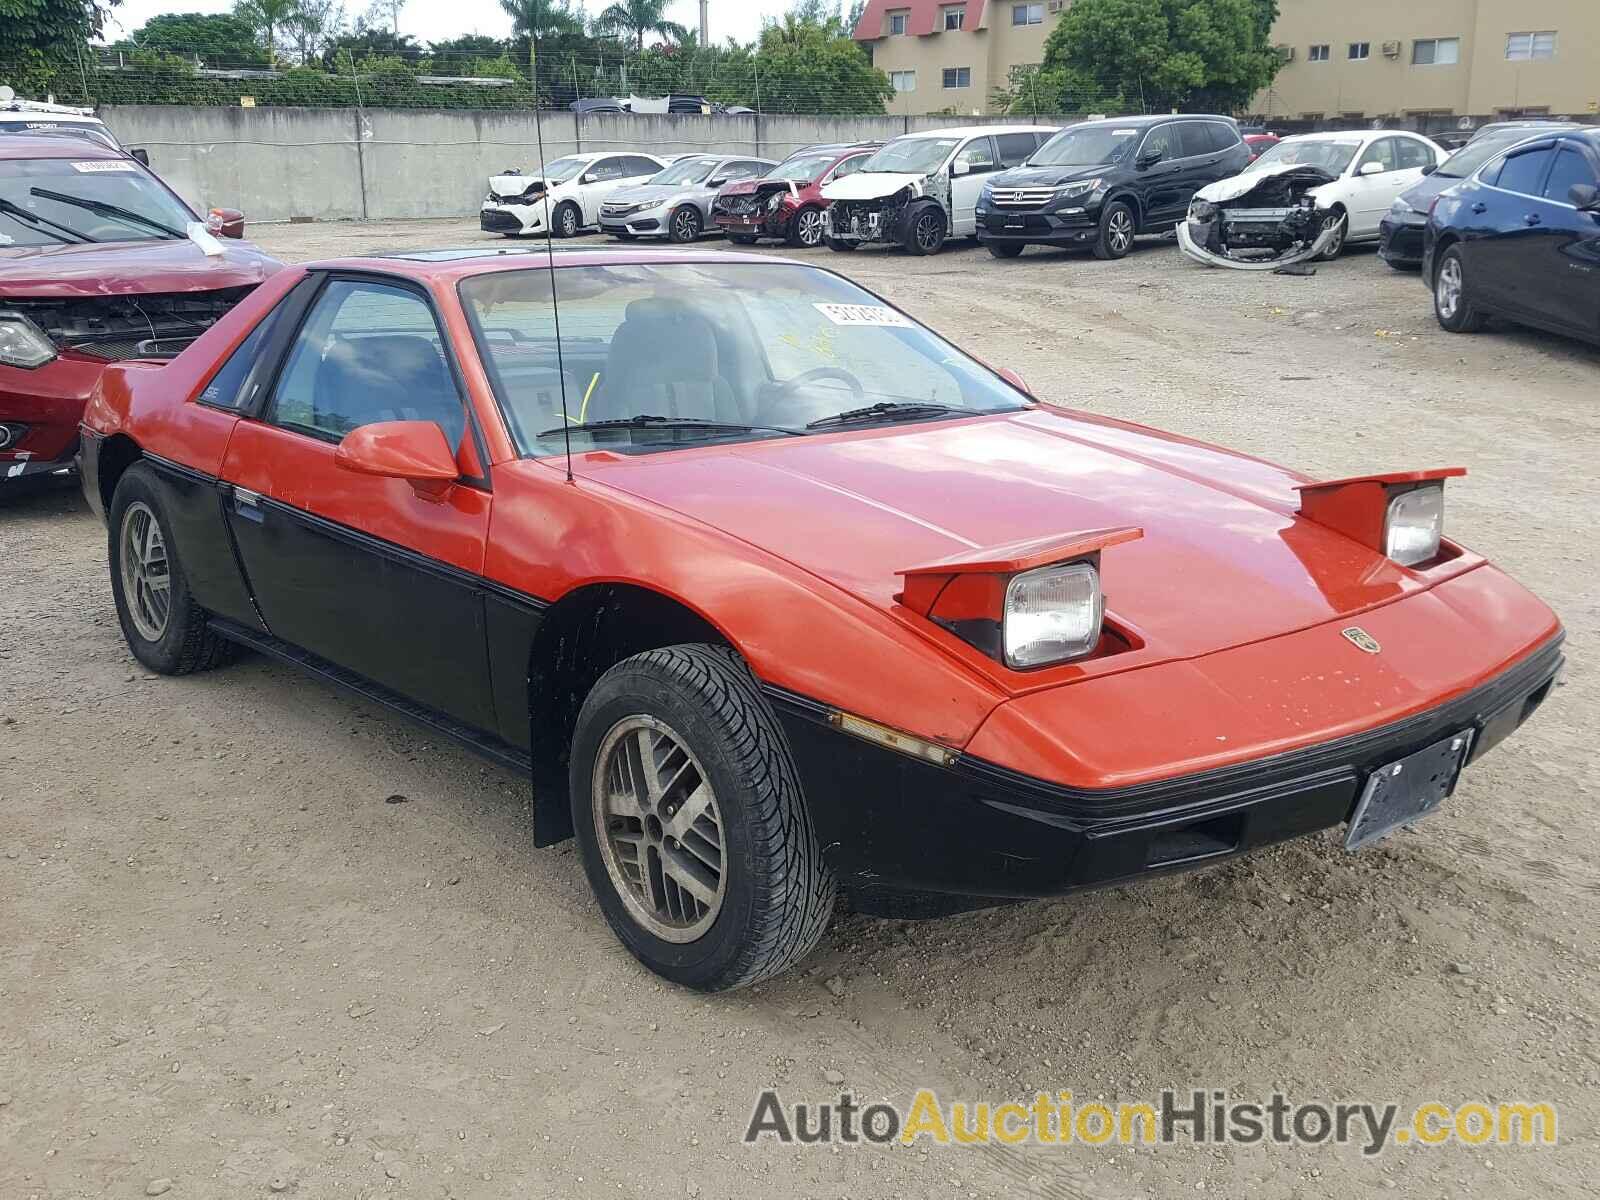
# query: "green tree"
[[37, 36], [1211, 55], [314, 25], [539, 21], [637, 18], [268, 18], [217, 38], [810, 66]]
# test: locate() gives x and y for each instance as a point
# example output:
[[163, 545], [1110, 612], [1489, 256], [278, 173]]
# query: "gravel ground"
[[229, 964]]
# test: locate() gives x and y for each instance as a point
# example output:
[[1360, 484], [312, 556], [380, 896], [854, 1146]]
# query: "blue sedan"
[[1521, 239]]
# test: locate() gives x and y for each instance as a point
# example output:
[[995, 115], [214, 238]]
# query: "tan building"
[[952, 54], [1362, 59]]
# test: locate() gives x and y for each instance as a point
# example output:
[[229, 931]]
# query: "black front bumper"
[[1039, 228], [494, 220], [1400, 242], [894, 826]]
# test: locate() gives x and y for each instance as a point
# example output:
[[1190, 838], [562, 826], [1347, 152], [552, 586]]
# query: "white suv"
[[565, 197]]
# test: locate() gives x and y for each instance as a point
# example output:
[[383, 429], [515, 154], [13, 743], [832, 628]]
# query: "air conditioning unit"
[[1285, 53], [1058, 5], [1391, 49]]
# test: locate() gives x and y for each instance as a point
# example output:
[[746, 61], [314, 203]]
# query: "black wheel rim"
[[927, 231]]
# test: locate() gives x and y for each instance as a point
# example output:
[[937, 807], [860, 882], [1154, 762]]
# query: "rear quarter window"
[[226, 389]]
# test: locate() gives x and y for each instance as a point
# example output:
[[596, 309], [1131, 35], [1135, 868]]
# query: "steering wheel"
[[857, 391]]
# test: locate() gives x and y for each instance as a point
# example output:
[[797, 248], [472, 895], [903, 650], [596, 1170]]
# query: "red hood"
[[740, 187], [1224, 559], [124, 268]]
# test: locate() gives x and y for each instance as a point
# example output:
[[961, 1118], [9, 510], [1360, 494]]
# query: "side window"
[[605, 170], [367, 352], [1410, 153], [1571, 169], [978, 155], [226, 389], [850, 165], [633, 165], [1221, 137], [1193, 140], [741, 169], [1014, 148], [1162, 139], [1525, 172], [1380, 152]]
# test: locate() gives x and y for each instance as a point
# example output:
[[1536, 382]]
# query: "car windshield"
[[688, 170], [1481, 149], [660, 355], [1085, 147], [112, 182], [801, 170], [563, 169], [1332, 155], [910, 156]]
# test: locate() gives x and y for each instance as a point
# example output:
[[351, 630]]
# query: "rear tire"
[[679, 731], [163, 626], [1006, 249], [1117, 230], [1452, 302]]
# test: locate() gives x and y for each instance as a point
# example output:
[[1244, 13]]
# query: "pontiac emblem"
[[1361, 640]]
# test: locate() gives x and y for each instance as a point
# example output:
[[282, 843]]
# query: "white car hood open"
[[513, 185], [868, 186], [1231, 189]]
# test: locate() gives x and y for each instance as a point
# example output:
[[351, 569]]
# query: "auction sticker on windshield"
[[862, 314], [111, 164]]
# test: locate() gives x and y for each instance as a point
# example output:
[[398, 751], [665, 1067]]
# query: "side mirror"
[[719, 181], [1371, 168], [225, 222], [140, 155], [1430, 168], [589, 179], [1147, 158], [959, 168], [415, 451], [1585, 197]]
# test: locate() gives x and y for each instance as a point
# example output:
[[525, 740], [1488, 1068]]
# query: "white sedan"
[[565, 197], [1348, 181]]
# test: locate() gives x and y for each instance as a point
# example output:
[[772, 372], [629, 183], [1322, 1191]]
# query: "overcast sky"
[[434, 20]]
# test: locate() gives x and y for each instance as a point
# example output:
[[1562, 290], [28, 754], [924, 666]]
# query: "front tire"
[[684, 224], [925, 230], [1452, 302], [163, 626], [690, 821], [1340, 222], [1117, 230], [806, 228], [567, 219]]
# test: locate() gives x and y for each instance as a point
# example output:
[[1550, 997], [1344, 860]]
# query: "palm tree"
[[266, 17], [637, 18], [537, 19]]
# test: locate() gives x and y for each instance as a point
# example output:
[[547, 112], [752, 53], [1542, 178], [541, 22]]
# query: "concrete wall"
[[278, 164]]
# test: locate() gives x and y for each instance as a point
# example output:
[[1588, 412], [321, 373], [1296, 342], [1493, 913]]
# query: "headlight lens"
[[1202, 210], [1052, 614], [23, 344], [1081, 188], [1400, 208], [1414, 525]]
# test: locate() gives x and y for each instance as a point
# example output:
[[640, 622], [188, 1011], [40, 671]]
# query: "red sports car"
[[97, 265], [772, 591], [787, 201]]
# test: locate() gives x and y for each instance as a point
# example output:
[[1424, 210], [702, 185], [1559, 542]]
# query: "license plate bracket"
[[1404, 791]]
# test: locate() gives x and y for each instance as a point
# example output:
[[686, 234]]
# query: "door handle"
[[247, 504], [1480, 207], [1531, 219]]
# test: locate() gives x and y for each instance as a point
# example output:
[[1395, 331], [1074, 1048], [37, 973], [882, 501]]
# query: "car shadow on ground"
[[41, 496]]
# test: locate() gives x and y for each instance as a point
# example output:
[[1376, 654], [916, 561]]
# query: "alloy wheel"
[[1447, 291], [569, 223], [684, 226], [1339, 225], [1119, 231], [659, 829], [146, 573], [928, 231], [810, 227]]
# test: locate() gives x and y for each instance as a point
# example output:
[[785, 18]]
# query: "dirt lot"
[[228, 963]]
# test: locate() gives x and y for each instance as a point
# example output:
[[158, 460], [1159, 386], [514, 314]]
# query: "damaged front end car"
[[1262, 220]]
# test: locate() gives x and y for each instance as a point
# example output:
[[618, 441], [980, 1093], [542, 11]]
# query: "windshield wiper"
[[653, 421], [55, 230], [108, 210], [891, 408]]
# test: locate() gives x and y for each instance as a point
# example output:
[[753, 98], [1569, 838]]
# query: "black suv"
[[1100, 183]]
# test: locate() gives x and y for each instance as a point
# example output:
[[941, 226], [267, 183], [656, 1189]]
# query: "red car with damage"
[[772, 592], [786, 203], [96, 266]]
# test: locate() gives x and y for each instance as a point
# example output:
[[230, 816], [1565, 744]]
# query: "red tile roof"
[[922, 17]]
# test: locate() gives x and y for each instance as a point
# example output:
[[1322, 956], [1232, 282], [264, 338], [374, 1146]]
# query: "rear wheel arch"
[[581, 636], [117, 453]]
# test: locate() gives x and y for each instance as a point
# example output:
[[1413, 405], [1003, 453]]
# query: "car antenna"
[[550, 257]]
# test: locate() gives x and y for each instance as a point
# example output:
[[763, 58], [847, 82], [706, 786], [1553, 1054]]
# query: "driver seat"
[[663, 360]]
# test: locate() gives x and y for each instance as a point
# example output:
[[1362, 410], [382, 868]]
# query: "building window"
[[903, 81], [1027, 14], [1359, 51], [957, 77], [955, 18], [897, 24], [1531, 45], [1435, 52], [1318, 53]]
